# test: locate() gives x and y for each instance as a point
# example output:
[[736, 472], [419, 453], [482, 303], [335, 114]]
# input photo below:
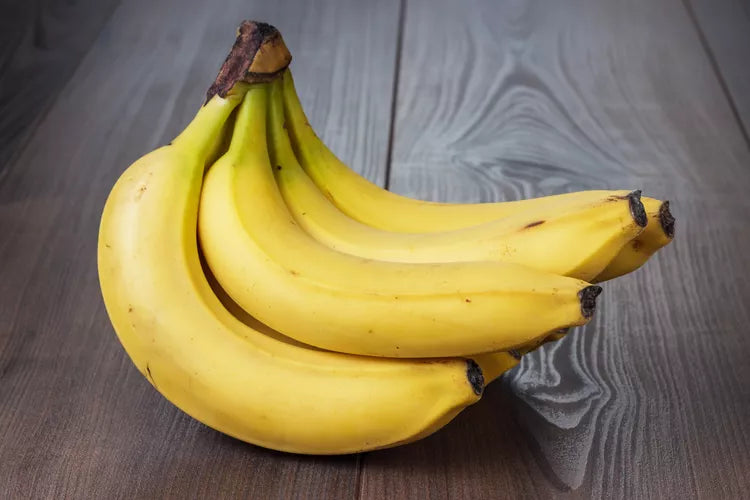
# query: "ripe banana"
[[495, 364], [492, 364], [227, 375], [658, 233], [378, 208], [578, 239], [305, 290]]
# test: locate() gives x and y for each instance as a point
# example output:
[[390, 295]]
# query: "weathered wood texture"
[[724, 26], [41, 43], [76, 419], [502, 100], [495, 100]]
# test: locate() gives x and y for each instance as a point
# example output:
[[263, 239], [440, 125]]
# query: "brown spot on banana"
[[150, 377]]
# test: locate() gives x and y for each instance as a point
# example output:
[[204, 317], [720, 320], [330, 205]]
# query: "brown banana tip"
[[515, 353], [588, 297], [666, 219], [637, 210], [475, 376], [258, 55]]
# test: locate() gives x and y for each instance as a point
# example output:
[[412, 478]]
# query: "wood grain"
[[724, 27], [41, 44], [503, 100], [76, 418]]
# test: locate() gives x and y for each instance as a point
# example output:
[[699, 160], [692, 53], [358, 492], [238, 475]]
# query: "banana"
[[377, 207], [658, 233], [577, 240], [495, 364], [371, 205], [229, 376], [492, 364], [318, 296], [257, 387]]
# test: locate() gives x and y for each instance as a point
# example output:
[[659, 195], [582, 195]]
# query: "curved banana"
[[492, 364], [577, 240], [379, 208], [229, 376], [658, 233], [303, 289]]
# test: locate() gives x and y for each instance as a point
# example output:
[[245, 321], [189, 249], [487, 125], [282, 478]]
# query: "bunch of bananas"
[[272, 293]]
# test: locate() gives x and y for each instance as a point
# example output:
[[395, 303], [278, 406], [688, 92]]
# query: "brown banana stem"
[[258, 55]]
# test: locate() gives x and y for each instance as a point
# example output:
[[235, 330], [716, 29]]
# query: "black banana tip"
[[588, 297], [637, 210], [666, 219], [475, 376]]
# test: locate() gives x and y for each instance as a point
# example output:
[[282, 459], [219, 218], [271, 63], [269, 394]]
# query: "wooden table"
[[463, 101]]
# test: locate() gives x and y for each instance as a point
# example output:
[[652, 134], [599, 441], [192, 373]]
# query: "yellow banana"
[[244, 383], [305, 290], [378, 208], [492, 364], [495, 364], [577, 240], [658, 233], [257, 387]]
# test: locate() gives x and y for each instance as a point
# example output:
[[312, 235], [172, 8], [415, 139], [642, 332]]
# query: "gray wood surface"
[[724, 27], [41, 44], [493, 100]]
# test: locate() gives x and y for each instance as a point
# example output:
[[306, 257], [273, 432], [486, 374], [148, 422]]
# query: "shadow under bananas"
[[541, 413], [557, 399]]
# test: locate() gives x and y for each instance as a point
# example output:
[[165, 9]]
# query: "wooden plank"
[[41, 44], [724, 27], [76, 419], [503, 100], [508, 100]]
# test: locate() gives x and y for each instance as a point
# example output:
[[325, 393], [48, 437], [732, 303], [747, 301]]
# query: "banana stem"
[[258, 55]]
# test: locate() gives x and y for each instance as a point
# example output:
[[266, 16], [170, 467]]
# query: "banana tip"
[[475, 376], [637, 210], [666, 219], [588, 297]]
